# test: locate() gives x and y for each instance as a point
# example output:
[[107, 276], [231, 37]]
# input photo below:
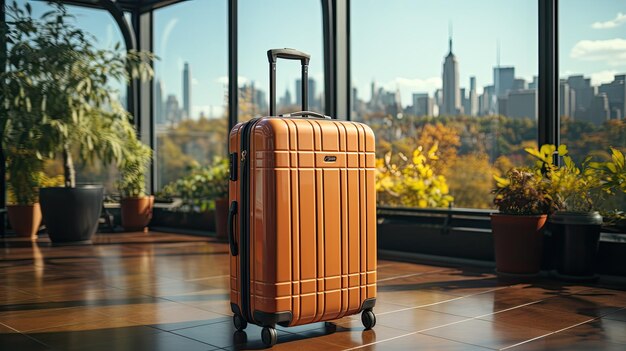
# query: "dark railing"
[[447, 218], [454, 232], [465, 234]]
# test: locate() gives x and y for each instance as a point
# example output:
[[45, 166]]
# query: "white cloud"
[[241, 80], [611, 51], [616, 22], [602, 77]]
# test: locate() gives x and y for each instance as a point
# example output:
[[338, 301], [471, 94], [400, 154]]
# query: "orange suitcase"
[[302, 217]]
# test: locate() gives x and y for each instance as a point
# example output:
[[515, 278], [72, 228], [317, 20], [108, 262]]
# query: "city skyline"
[[507, 95], [169, 111], [401, 50]]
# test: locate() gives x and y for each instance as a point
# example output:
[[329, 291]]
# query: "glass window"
[[450, 89], [271, 24], [105, 34], [592, 68], [190, 86]]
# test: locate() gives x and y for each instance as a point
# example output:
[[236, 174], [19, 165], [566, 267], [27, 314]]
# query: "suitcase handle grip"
[[289, 54], [304, 114], [232, 211]]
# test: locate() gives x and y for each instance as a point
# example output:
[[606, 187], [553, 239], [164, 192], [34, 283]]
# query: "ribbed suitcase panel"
[[313, 222]]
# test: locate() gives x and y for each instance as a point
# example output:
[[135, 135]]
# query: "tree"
[[404, 181], [471, 181], [190, 143], [447, 141]]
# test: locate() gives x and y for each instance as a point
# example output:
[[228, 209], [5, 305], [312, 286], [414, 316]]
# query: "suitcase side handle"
[[289, 54], [232, 211], [305, 114]]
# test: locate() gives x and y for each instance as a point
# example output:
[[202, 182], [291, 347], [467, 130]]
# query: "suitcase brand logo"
[[330, 158]]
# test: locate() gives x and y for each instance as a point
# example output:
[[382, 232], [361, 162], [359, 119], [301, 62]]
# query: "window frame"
[[337, 71]]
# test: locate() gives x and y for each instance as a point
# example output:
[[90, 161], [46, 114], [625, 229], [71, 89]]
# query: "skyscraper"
[[172, 111], [473, 98], [464, 100], [422, 104], [503, 79], [599, 111], [518, 84], [451, 92], [158, 97], [487, 101], [521, 104], [616, 93], [584, 96], [186, 91], [564, 99]]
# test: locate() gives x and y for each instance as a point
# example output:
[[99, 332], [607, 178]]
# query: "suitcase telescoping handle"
[[289, 54], [232, 211]]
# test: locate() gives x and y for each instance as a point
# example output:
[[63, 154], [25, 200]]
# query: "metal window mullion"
[[548, 87], [342, 65], [233, 89], [335, 22], [328, 37], [143, 93]]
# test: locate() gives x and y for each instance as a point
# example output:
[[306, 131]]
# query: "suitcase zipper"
[[244, 234]]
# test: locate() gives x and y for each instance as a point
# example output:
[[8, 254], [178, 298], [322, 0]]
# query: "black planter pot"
[[575, 238], [71, 214]]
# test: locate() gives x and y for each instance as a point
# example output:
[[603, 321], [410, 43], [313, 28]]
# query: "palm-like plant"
[[59, 84], [133, 169]]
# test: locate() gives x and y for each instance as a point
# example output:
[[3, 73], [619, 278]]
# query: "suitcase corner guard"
[[368, 304], [271, 319]]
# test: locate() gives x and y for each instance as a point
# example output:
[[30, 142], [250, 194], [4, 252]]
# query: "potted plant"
[[575, 227], [523, 202], [54, 72], [218, 177], [204, 198], [25, 173], [612, 174], [136, 206]]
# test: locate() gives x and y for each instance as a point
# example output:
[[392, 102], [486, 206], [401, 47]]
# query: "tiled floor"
[[155, 291]]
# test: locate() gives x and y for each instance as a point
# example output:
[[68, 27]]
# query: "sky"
[[400, 44]]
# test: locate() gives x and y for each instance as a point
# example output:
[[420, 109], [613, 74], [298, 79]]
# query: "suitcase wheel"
[[239, 322], [369, 319], [269, 336]]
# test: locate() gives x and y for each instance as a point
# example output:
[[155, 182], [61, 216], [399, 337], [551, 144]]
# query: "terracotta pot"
[[518, 242], [25, 219], [136, 212], [221, 217]]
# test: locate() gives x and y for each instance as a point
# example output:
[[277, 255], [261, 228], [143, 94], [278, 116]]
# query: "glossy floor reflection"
[[156, 291]]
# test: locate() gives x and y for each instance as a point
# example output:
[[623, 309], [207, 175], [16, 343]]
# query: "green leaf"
[[611, 167]]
